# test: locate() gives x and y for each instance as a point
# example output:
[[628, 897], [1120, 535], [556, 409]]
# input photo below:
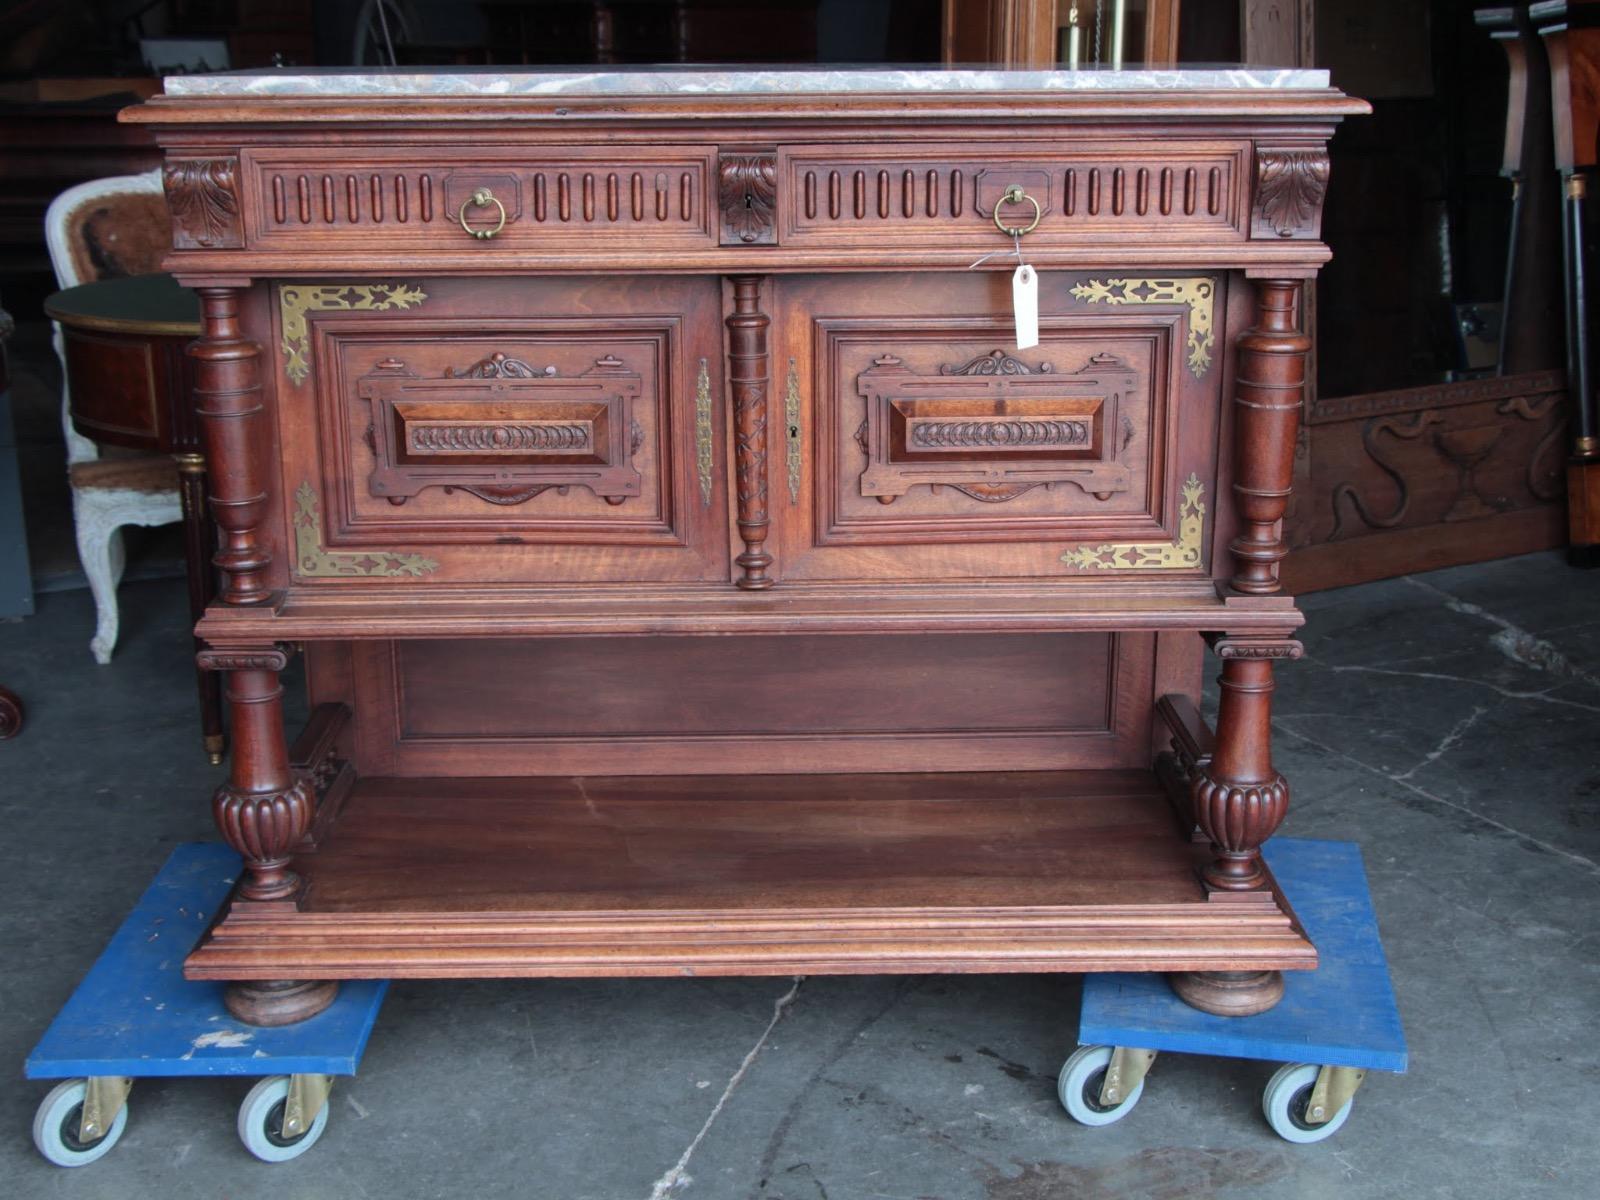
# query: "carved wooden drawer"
[[922, 442], [447, 439], [653, 197], [1175, 191]]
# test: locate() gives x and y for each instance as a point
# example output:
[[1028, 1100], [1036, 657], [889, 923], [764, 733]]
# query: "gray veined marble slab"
[[692, 82]]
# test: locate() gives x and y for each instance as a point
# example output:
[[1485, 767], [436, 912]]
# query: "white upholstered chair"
[[99, 230]]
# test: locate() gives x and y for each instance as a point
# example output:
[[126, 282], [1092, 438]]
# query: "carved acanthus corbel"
[[1291, 182]]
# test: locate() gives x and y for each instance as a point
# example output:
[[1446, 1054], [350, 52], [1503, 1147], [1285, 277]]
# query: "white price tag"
[[1025, 302]]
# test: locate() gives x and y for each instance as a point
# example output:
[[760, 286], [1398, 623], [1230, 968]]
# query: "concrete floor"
[[1446, 722]]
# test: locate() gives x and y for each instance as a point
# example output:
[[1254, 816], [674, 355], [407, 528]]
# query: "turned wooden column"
[[747, 376], [262, 811], [1266, 418], [1237, 797], [1238, 800], [228, 400]]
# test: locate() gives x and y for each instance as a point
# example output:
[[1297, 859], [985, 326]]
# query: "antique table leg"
[[197, 544], [263, 811], [1238, 798]]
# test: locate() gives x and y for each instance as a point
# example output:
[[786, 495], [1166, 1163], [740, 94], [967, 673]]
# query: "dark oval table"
[[132, 385]]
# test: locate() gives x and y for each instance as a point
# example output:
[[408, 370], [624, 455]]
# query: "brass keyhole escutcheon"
[[1015, 195], [483, 198]]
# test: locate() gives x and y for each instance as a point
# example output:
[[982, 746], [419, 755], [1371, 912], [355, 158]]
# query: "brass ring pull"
[[482, 198], [1015, 195]]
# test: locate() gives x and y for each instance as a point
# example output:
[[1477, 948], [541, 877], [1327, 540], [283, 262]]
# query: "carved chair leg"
[[100, 550]]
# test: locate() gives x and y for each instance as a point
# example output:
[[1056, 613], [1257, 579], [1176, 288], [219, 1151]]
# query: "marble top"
[[691, 81]]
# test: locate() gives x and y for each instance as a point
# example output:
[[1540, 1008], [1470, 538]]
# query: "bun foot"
[[279, 1002], [1229, 993]]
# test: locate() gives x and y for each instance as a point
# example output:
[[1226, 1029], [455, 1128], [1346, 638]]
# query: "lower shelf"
[[753, 875]]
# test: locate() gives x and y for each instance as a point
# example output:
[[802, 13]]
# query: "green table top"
[[149, 304]]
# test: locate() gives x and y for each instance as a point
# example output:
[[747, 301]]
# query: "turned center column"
[[747, 376]]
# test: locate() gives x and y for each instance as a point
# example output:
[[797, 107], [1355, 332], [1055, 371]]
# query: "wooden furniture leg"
[[1237, 798], [262, 811], [198, 549]]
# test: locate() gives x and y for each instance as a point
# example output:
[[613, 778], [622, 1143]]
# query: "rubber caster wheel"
[[261, 1123], [1079, 1085], [55, 1127], [1284, 1103]]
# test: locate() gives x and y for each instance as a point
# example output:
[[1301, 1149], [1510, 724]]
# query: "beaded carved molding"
[[1199, 294], [295, 300], [1151, 556]]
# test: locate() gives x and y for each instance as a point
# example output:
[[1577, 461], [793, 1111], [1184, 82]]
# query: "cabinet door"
[[515, 430], [923, 444]]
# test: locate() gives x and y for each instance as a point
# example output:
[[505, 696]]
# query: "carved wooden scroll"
[[504, 430], [994, 427]]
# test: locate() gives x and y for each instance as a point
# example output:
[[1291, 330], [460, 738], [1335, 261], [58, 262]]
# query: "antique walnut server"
[[692, 574]]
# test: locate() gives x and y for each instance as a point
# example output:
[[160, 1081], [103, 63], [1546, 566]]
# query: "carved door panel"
[[503, 431], [920, 442]]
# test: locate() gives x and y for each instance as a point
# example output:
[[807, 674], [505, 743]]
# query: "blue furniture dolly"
[[1333, 1024], [135, 1015]]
